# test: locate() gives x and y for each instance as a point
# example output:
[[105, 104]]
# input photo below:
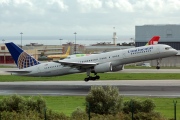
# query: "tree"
[[103, 100]]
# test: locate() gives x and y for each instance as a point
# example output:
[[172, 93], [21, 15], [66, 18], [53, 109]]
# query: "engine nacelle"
[[101, 68], [117, 68]]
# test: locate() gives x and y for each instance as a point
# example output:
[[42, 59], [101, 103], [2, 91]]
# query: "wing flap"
[[76, 64]]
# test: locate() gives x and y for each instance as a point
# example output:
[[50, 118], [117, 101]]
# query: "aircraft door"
[[41, 69], [124, 55], [158, 49]]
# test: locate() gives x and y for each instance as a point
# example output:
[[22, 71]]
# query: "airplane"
[[60, 56], [96, 63], [154, 40]]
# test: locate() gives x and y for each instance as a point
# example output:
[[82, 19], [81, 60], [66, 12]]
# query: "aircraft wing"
[[19, 71], [77, 64]]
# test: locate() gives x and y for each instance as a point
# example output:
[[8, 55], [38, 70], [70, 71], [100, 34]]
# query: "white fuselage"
[[118, 57]]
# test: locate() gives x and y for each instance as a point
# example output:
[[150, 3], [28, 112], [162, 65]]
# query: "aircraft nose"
[[175, 51]]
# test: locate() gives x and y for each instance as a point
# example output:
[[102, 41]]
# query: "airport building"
[[169, 34], [5, 57]]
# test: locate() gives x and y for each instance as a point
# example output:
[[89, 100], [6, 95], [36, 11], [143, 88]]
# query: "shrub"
[[56, 116], [138, 106], [18, 103], [118, 116], [37, 104], [79, 114], [143, 110], [132, 105], [17, 107], [103, 100], [148, 106], [12, 103], [148, 116], [6, 115]]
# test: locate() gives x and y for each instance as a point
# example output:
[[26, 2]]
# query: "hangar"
[[169, 34]]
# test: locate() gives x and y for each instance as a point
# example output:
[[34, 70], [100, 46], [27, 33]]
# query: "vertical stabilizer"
[[154, 40], [21, 58], [68, 50]]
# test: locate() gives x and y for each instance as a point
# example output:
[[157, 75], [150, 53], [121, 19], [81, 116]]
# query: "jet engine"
[[101, 68], [117, 68]]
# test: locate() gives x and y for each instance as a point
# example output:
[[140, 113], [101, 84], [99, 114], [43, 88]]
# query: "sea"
[[56, 40]]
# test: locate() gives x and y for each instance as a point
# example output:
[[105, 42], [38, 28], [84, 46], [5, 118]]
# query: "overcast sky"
[[86, 17]]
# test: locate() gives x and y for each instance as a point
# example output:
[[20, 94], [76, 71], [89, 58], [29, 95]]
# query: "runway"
[[149, 88]]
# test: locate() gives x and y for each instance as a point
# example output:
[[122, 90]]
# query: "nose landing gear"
[[158, 63]]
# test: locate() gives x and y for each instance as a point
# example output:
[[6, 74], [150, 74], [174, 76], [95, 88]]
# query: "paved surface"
[[160, 88]]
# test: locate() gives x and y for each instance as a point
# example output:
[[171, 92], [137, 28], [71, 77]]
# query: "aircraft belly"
[[57, 72], [74, 71], [117, 62]]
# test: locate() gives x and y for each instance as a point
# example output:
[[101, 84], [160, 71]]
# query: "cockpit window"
[[167, 48]]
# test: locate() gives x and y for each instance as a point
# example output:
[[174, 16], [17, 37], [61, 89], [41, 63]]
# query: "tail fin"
[[68, 50], [21, 58], [154, 40]]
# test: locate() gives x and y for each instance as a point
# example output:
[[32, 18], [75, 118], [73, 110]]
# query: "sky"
[[85, 17]]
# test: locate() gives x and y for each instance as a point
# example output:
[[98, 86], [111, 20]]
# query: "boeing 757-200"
[[95, 63]]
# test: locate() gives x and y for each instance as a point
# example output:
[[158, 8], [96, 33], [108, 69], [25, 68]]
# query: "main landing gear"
[[158, 63], [90, 77]]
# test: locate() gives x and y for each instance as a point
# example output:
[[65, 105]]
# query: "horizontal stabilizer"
[[19, 71]]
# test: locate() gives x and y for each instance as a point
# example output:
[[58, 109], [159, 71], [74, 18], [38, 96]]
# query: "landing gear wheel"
[[157, 67], [93, 78], [97, 77], [86, 79]]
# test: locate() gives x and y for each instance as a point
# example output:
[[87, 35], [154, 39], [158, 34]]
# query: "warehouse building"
[[169, 34]]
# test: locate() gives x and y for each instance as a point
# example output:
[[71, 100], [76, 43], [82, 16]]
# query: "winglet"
[[21, 58], [154, 40]]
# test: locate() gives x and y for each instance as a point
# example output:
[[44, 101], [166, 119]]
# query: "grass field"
[[67, 104], [104, 76]]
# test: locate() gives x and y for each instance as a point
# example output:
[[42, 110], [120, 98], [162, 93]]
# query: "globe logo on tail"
[[25, 60]]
